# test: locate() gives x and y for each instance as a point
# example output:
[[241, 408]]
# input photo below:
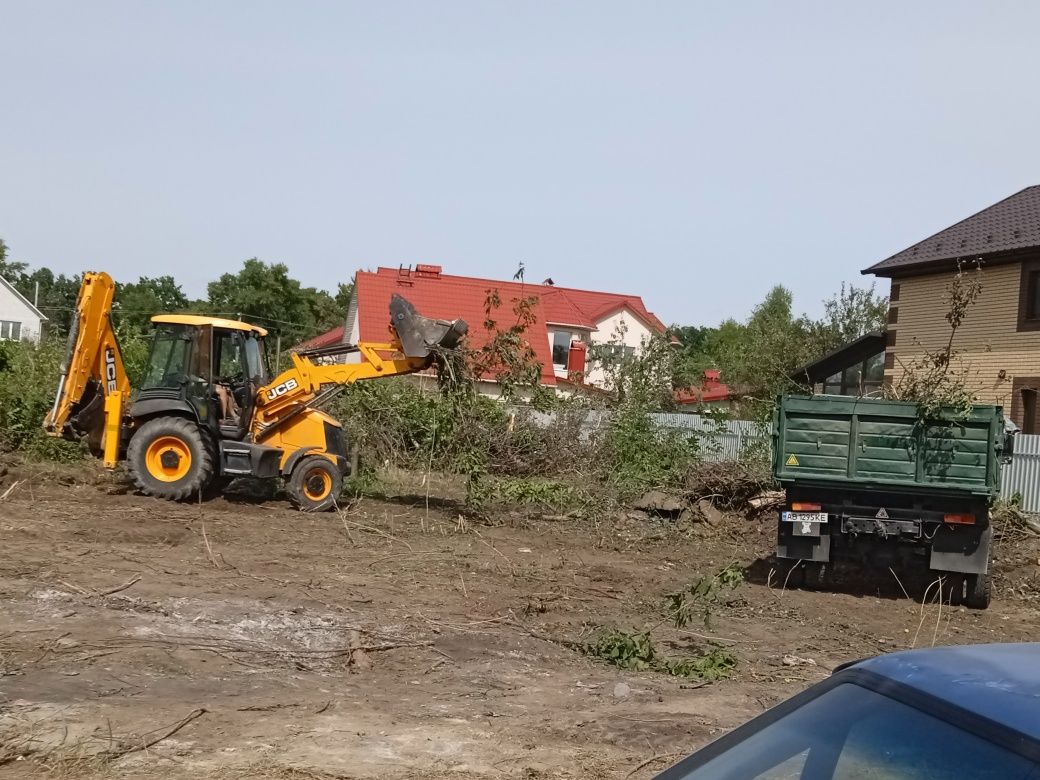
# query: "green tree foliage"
[[137, 302], [758, 356], [852, 313], [57, 295], [265, 293], [9, 269]]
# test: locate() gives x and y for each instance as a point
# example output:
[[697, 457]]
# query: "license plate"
[[804, 517]]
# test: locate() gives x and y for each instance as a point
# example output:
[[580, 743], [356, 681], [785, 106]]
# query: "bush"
[[28, 380]]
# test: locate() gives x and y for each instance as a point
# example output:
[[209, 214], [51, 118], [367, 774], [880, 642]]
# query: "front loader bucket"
[[420, 335]]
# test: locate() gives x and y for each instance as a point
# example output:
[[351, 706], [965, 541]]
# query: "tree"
[[694, 354], [56, 298], [761, 354], [9, 269], [137, 302], [852, 313], [265, 293]]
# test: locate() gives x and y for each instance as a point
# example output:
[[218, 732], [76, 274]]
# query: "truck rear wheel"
[[979, 591], [953, 588], [169, 458], [315, 484]]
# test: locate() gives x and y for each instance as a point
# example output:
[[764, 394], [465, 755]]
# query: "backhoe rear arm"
[[93, 355]]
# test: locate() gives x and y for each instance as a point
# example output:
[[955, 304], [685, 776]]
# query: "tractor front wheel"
[[315, 484], [169, 458]]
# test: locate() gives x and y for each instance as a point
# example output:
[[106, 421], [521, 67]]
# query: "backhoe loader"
[[206, 410]]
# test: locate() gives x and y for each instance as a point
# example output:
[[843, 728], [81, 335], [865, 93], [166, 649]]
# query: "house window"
[[10, 331], [873, 374], [864, 378], [561, 348], [1029, 411], [1029, 296], [832, 385]]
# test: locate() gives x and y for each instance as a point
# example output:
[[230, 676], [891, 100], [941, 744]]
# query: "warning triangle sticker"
[[792, 460]]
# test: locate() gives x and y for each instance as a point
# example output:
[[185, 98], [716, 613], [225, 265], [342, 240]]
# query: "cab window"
[[168, 363], [230, 356], [255, 360]]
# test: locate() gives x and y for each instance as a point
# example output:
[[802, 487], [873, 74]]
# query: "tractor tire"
[[170, 458], [980, 591], [315, 484]]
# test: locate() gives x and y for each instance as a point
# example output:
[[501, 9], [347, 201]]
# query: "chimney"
[[428, 271]]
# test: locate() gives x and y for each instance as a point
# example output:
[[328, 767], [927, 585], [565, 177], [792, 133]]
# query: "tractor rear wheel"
[[169, 458], [315, 484]]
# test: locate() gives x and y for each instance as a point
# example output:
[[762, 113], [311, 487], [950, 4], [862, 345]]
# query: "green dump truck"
[[868, 480]]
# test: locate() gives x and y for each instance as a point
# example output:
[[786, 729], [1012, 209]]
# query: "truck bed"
[[827, 439]]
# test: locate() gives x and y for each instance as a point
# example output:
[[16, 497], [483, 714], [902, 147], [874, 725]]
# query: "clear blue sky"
[[695, 153]]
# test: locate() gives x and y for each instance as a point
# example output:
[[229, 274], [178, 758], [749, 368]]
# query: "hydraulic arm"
[[93, 387], [411, 348]]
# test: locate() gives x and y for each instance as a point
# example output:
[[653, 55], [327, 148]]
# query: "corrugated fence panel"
[[719, 439], [1022, 475]]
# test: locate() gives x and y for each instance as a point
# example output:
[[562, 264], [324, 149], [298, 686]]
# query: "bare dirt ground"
[[398, 641]]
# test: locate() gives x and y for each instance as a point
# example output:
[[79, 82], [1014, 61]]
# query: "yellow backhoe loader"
[[207, 411]]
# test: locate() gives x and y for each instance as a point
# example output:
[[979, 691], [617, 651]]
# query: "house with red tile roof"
[[567, 321]]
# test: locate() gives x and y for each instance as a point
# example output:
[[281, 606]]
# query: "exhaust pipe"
[[420, 335]]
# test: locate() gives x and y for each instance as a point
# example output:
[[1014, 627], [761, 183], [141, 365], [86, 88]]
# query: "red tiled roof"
[[448, 298], [562, 305], [712, 389], [334, 336], [443, 296], [560, 309]]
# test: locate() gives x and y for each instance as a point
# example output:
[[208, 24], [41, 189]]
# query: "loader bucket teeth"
[[419, 335]]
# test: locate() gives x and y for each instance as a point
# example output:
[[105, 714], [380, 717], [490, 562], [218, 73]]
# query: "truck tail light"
[[801, 506], [960, 519]]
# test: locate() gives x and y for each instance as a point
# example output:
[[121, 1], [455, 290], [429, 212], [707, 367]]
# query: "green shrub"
[[636, 651], [28, 380]]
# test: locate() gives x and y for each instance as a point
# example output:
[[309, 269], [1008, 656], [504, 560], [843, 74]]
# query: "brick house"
[[999, 340]]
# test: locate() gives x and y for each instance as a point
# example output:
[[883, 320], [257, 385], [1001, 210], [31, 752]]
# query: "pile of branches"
[[1009, 521], [727, 484]]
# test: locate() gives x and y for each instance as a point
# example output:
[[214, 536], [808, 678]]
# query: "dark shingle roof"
[[1008, 225], [854, 352]]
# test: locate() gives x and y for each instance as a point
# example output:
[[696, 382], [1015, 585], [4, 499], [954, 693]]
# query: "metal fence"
[[1022, 475], [719, 439]]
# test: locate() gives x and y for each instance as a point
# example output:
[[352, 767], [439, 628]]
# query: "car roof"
[[1000, 682]]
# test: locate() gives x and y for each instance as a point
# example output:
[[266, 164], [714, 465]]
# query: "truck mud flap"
[[803, 548], [964, 549]]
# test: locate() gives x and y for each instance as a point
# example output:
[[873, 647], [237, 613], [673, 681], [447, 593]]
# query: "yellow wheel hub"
[[168, 459], [317, 484]]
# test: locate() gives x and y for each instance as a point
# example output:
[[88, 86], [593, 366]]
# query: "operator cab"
[[206, 367]]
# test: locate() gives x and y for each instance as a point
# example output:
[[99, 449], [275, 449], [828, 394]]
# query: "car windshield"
[[852, 733]]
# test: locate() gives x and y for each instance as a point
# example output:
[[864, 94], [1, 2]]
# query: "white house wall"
[[14, 309], [607, 332]]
